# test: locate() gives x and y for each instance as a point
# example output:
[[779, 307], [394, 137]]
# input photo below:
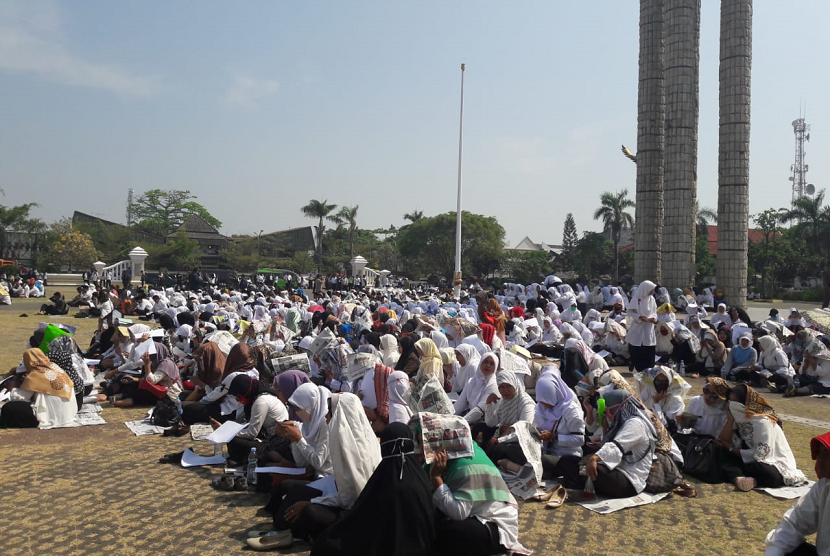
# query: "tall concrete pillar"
[[681, 60], [733, 151], [648, 225]]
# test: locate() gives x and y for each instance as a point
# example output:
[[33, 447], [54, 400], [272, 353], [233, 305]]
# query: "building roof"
[[528, 245], [754, 236], [196, 224]]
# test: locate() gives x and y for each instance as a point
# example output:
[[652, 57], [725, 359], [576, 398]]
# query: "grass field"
[[99, 489]]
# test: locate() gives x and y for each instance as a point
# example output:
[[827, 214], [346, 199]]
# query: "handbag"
[[156, 390], [700, 456], [664, 475]]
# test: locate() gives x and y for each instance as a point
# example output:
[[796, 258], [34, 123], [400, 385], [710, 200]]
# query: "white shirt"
[[504, 515], [633, 437], [811, 514]]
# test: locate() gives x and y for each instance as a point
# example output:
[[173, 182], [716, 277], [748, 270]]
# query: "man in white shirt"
[[811, 514]]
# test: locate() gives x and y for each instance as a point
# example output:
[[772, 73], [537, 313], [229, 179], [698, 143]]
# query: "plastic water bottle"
[[682, 368], [252, 467]]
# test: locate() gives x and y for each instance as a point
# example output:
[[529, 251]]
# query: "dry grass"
[[99, 490]]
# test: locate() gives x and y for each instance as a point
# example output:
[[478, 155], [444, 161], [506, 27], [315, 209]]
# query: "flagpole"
[[457, 277]]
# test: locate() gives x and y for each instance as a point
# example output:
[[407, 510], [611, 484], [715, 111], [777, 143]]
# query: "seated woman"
[[375, 396], [560, 421], [814, 375], [430, 362], [766, 460], [740, 360], [210, 368], [662, 392], [45, 397], [478, 515], [621, 466], [809, 515], [408, 361], [473, 398], [503, 410], [398, 494], [711, 357], [773, 369], [397, 385], [711, 408], [795, 321], [720, 316], [57, 307], [354, 454], [156, 369], [263, 412], [579, 360], [63, 351], [614, 341]]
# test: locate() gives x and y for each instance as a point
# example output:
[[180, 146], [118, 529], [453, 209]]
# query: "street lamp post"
[[456, 282]]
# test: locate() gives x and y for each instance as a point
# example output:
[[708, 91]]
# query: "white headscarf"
[[313, 399], [389, 350], [354, 448], [397, 387], [480, 386], [471, 359], [644, 301]]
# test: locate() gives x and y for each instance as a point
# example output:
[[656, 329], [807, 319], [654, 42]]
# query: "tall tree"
[[811, 217], [321, 210], [432, 240], [348, 215], [614, 219], [15, 219], [162, 212], [414, 216], [569, 241], [70, 247], [704, 215]]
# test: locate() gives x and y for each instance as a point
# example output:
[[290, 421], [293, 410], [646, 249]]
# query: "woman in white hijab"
[[772, 359], [312, 448], [468, 359], [550, 334], [389, 350], [720, 316], [474, 396], [641, 337], [397, 387], [355, 453]]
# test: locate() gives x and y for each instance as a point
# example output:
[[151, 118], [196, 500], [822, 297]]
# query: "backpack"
[[166, 414]]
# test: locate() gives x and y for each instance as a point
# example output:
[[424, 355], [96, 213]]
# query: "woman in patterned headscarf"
[[61, 350], [768, 460], [45, 398]]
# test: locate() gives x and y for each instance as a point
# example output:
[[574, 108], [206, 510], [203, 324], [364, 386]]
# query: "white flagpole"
[[457, 278]]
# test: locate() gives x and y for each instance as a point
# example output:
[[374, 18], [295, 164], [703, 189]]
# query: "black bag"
[[166, 414], [700, 456]]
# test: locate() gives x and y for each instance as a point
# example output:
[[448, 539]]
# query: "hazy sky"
[[257, 107]]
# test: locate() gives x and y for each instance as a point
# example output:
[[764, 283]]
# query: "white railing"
[[118, 268]]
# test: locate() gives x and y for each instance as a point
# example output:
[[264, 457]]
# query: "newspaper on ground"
[[522, 484], [297, 362], [200, 432], [611, 505], [358, 364], [450, 433], [144, 427], [427, 394], [788, 492]]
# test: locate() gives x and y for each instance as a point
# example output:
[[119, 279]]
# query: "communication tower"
[[799, 178], [130, 207]]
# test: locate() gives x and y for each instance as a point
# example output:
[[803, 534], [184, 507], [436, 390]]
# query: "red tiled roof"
[[754, 236]]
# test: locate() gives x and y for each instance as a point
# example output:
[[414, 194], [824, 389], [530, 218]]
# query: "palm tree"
[[348, 215], [414, 216], [703, 217], [614, 218], [320, 210], [808, 212]]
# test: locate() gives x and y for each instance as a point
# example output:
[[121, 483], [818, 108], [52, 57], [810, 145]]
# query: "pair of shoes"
[[686, 491], [256, 534], [557, 498], [790, 393], [745, 484], [178, 430], [225, 483], [272, 540], [544, 496]]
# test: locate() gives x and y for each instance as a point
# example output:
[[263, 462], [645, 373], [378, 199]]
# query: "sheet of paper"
[[149, 346], [614, 505], [200, 432], [788, 493], [92, 362], [191, 459], [326, 485], [5, 395], [136, 372], [143, 428], [603, 354], [283, 470], [226, 432]]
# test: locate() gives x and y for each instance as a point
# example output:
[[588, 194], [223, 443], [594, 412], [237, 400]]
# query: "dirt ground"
[[99, 489]]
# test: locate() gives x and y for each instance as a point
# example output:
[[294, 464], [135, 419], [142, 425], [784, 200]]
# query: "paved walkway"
[[804, 421]]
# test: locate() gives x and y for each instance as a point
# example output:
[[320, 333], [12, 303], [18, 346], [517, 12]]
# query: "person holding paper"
[[157, 368], [263, 411]]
